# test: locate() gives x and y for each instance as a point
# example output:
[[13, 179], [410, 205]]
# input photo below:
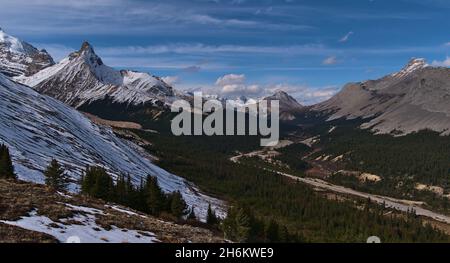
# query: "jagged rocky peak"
[[87, 51], [413, 65], [83, 78]]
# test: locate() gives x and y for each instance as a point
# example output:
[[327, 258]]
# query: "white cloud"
[[346, 37], [191, 48], [330, 61], [234, 85], [230, 79], [444, 63], [240, 89], [124, 18]]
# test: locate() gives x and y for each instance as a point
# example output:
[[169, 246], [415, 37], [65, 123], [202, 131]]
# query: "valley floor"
[[439, 220]]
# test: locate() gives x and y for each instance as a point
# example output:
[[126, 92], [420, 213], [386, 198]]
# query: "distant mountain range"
[[413, 99]]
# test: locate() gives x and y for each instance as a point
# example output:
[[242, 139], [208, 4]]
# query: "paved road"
[[397, 204]]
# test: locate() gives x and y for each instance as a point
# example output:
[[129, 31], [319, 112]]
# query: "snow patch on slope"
[[85, 228]]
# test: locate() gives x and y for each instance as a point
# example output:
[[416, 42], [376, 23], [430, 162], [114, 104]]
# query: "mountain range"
[[45, 107], [82, 78]]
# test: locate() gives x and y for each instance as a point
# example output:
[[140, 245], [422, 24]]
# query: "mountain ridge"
[[82, 78], [413, 99]]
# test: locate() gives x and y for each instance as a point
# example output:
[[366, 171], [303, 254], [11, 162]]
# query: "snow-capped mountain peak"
[[88, 53], [20, 58], [83, 77], [11, 43], [413, 65]]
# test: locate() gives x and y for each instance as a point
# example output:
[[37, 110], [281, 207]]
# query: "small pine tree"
[[55, 176], [236, 226], [155, 196], [211, 217], [178, 205], [6, 166]]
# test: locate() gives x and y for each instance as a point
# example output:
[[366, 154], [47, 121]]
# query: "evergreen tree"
[[98, 183], [55, 176], [6, 166], [272, 231], [236, 225], [120, 192], [211, 217], [178, 206], [155, 196]]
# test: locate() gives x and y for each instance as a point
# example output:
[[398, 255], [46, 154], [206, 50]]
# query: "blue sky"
[[233, 47]]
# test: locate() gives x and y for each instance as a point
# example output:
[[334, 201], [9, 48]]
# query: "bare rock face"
[[413, 99], [18, 58], [83, 78]]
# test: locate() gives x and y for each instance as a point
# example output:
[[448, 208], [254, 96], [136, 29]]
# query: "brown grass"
[[20, 198]]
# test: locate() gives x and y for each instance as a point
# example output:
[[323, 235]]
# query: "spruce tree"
[[236, 226], [178, 205], [155, 196], [55, 176], [211, 217], [6, 166], [98, 183]]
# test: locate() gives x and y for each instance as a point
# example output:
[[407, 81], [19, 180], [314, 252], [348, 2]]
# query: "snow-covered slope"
[[413, 99], [20, 58], [82, 78], [38, 128]]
